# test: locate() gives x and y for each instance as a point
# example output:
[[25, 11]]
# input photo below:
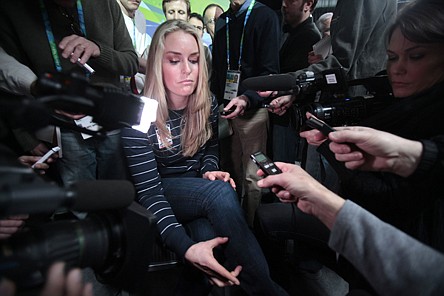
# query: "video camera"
[[327, 95], [115, 239], [110, 107]]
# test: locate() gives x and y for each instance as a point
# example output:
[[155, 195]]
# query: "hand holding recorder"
[[369, 149]]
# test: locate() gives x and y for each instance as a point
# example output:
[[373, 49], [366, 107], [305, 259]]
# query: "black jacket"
[[261, 42]]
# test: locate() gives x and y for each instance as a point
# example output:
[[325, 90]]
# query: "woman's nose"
[[398, 68], [186, 67]]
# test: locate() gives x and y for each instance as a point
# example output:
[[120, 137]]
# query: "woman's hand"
[[201, 256], [219, 175], [369, 149]]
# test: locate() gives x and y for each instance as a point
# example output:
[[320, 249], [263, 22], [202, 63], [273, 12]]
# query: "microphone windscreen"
[[270, 82], [102, 195]]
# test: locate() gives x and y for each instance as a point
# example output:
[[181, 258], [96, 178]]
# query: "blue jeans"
[[215, 201], [90, 159]]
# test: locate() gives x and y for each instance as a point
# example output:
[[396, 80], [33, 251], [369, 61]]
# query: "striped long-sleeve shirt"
[[148, 162]]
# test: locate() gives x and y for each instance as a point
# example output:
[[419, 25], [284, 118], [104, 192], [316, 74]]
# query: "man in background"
[[300, 35], [246, 44], [197, 21], [210, 14], [136, 24], [176, 9]]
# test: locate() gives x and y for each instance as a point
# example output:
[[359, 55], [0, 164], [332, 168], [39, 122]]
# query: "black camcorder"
[[117, 236], [115, 239], [110, 107], [325, 95]]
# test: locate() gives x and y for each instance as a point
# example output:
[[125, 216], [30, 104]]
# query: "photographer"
[[58, 281], [73, 37], [357, 234], [415, 70]]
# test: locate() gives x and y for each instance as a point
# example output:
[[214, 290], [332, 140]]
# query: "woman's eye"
[[416, 56], [391, 58], [174, 62], [194, 61]]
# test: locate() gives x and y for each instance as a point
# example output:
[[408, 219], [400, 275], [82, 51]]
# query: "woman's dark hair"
[[421, 21]]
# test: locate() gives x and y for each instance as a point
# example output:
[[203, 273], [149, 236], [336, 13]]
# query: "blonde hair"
[[196, 127]]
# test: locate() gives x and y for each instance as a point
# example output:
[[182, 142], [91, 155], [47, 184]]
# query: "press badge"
[[87, 123], [231, 84], [169, 139]]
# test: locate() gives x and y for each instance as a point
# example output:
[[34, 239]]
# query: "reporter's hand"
[[369, 149], [201, 256], [313, 137], [311, 197], [280, 105], [39, 150], [314, 58], [219, 175], [29, 160], [11, 225], [74, 47], [70, 115], [240, 103], [59, 284]]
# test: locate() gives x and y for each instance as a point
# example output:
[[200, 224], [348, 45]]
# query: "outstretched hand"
[[369, 149], [238, 105], [314, 137], [296, 185], [280, 105], [201, 256]]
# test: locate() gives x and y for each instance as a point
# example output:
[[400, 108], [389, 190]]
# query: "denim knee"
[[223, 193]]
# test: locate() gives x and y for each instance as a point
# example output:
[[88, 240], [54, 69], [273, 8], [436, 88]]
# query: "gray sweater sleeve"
[[15, 77], [393, 262]]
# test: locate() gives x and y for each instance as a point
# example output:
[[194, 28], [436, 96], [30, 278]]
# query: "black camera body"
[[333, 104], [110, 106], [115, 239]]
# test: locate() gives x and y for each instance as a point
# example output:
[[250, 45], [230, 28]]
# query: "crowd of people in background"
[[356, 198]]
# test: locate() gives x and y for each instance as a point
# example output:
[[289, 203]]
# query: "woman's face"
[[413, 67], [180, 65]]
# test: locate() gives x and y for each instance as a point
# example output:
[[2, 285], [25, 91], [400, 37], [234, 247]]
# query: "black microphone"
[[44, 198], [275, 82]]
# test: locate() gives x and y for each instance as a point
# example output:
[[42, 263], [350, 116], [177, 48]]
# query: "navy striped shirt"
[[148, 162]]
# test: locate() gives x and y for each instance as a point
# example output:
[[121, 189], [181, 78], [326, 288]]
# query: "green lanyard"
[[50, 34], [250, 8]]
